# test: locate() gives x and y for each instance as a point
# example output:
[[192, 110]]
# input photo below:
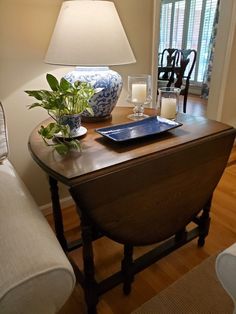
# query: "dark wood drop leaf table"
[[138, 192]]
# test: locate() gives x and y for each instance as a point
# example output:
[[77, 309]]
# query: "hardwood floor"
[[196, 106], [149, 282]]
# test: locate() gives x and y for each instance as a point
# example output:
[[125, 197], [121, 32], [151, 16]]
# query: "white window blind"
[[166, 16], [178, 23], [188, 24]]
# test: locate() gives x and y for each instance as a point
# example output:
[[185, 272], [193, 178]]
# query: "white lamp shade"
[[89, 32]]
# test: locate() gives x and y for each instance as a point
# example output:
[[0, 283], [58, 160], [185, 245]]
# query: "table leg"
[[57, 215], [126, 267], [204, 223], [90, 284]]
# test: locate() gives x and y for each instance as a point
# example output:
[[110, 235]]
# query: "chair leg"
[[126, 268], [185, 96], [185, 103]]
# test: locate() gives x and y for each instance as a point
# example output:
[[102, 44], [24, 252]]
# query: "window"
[[188, 24]]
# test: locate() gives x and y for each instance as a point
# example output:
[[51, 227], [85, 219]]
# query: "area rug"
[[198, 291]]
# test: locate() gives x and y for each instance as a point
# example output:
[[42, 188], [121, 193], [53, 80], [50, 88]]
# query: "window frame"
[[186, 29]]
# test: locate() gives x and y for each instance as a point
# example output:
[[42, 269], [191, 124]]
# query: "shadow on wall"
[[26, 28], [20, 123]]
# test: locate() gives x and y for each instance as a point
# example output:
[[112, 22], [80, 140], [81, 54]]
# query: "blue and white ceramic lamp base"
[[103, 102]]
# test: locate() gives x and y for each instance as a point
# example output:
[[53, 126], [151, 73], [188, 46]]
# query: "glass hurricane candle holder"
[[168, 102], [139, 94]]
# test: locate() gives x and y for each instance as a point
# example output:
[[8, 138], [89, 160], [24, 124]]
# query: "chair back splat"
[[168, 59]]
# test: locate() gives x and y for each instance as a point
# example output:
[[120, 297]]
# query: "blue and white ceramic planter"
[[103, 102], [74, 122]]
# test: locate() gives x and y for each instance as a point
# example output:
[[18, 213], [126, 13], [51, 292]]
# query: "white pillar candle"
[[139, 93], [168, 108]]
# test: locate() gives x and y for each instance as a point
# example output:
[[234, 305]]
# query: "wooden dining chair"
[[176, 71], [183, 73]]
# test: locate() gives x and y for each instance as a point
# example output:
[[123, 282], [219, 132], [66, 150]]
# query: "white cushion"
[[226, 271], [3, 135], [35, 274]]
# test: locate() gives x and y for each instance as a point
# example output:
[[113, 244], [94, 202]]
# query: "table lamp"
[[89, 35]]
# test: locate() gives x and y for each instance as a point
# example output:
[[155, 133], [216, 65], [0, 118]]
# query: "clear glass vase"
[[139, 94], [168, 102]]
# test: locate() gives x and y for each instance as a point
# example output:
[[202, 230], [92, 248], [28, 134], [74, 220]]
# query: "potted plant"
[[64, 103]]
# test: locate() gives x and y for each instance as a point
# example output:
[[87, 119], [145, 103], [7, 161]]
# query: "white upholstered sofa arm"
[[35, 274], [226, 271]]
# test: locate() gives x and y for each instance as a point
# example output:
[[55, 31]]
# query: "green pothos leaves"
[[64, 98]]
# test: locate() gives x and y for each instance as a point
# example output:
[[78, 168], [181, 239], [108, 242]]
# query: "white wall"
[[137, 18], [25, 30], [222, 96], [229, 106]]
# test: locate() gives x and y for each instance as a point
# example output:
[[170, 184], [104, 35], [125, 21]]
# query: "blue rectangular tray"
[[133, 130]]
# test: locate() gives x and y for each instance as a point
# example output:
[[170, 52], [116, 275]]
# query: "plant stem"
[[52, 116]]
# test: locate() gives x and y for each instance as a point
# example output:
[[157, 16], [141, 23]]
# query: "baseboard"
[[195, 90], [65, 202]]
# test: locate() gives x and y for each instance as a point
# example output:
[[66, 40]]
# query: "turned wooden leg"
[[90, 284], [57, 215], [126, 268], [204, 223]]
